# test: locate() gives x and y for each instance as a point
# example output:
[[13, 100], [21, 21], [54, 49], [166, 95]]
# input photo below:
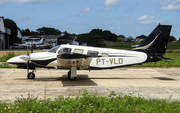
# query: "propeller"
[[29, 56], [28, 60]]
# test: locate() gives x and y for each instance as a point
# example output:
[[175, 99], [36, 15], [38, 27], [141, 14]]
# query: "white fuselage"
[[100, 57]]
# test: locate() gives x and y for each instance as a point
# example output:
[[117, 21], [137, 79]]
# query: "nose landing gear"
[[31, 75]]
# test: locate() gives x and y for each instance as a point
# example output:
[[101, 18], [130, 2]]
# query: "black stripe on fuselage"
[[72, 56], [24, 65], [43, 63]]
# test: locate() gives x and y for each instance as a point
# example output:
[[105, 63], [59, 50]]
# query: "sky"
[[122, 17]]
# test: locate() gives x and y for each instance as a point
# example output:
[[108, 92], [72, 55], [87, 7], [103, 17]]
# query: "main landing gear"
[[72, 74], [31, 75], [70, 77]]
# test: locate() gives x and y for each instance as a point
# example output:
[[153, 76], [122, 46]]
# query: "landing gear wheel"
[[31, 75], [71, 78]]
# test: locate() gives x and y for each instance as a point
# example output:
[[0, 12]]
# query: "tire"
[[31, 75], [71, 78]]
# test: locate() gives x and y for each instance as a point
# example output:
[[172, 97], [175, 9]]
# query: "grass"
[[6, 65], [173, 46], [7, 56], [91, 104], [120, 45]]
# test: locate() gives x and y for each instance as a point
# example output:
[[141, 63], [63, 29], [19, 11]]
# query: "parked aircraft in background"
[[134, 46], [34, 42], [73, 57]]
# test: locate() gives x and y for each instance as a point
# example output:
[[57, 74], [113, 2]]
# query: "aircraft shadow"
[[82, 80]]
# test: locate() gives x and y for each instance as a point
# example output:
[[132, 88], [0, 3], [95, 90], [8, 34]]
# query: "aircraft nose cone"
[[15, 60], [12, 60], [9, 61], [25, 57]]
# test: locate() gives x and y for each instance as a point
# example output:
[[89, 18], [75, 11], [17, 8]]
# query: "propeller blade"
[[27, 66], [32, 48], [27, 50], [28, 60]]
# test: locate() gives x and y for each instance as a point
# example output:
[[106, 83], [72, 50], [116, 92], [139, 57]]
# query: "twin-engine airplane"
[[34, 42], [92, 58]]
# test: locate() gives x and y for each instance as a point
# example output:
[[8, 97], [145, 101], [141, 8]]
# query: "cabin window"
[[105, 55], [80, 51], [54, 49], [93, 53], [64, 50]]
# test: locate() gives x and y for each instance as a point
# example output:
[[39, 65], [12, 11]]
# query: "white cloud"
[[108, 8], [170, 5], [87, 9], [164, 2], [143, 17], [28, 1], [119, 28], [111, 2], [111, 28], [84, 11], [25, 18], [147, 19]]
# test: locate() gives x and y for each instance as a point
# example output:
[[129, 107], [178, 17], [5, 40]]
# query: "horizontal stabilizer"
[[164, 58]]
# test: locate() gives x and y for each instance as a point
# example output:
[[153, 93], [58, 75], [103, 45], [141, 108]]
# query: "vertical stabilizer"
[[41, 41], [157, 41], [2, 28]]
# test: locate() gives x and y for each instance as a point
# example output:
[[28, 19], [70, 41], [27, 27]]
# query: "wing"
[[68, 60], [21, 44]]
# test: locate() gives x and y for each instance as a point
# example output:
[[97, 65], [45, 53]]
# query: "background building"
[[55, 40], [4, 35]]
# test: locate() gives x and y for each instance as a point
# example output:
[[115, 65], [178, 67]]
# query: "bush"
[[90, 104], [7, 56], [170, 51]]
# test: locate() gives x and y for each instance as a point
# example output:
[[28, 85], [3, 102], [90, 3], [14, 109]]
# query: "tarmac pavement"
[[163, 83]]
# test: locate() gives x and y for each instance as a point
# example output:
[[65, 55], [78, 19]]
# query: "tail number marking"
[[113, 61]]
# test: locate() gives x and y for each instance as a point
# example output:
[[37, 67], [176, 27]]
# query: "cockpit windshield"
[[64, 50], [54, 49]]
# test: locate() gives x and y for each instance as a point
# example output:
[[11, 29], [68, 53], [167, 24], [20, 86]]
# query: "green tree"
[[130, 38], [107, 35], [95, 40], [74, 35], [90, 39], [82, 38], [14, 29], [171, 38], [67, 34], [96, 32], [142, 36], [26, 32], [48, 31], [121, 36]]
